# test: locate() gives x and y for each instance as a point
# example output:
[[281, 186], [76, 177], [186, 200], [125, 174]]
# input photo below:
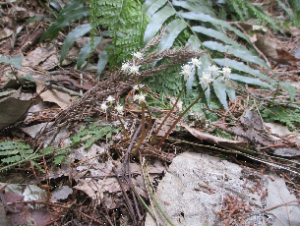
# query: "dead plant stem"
[[169, 113]]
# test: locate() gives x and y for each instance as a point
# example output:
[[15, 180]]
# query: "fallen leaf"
[[212, 139], [37, 56], [60, 98], [13, 109], [61, 194]]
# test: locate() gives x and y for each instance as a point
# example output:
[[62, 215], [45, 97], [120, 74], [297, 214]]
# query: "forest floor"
[[65, 161]]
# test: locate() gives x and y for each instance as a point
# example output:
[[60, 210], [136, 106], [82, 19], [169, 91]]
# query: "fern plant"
[[126, 23], [246, 10], [14, 153], [124, 20], [284, 115], [208, 32]]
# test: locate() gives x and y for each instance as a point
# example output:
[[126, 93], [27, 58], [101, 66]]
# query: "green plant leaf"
[[74, 4], [242, 67], [189, 84], [214, 21], [10, 159], [58, 159], [71, 38], [151, 6], [193, 43], [86, 50], [195, 6], [220, 91], [15, 61], [230, 93], [103, 58], [249, 80], [237, 51], [157, 21], [206, 62], [64, 20], [214, 34], [290, 88], [173, 29]]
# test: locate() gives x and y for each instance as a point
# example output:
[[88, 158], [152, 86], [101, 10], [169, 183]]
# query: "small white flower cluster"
[[140, 97], [213, 71], [189, 68], [136, 87], [132, 68], [110, 99]]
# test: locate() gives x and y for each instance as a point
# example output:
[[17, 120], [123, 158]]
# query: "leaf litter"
[[87, 180]]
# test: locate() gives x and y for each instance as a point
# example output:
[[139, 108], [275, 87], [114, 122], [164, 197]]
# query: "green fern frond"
[[14, 151], [211, 27], [280, 114], [239, 9], [126, 22]]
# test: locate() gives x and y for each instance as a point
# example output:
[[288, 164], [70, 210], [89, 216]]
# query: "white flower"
[[104, 106], [138, 55], [110, 99], [136, 87], [119, 109], [213, 69], [186, 67], [134, 69], [140, 97], [125, 67], [206, 79], [226, 72], [186, 71], [196, 62]]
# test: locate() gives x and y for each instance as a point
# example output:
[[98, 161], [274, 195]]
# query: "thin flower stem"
[[177, 120], [123, 127], [143, 119], [143, 136], [168, 115]]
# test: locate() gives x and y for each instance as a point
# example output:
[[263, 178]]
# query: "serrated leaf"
[[193, 43], [290, 88], [64, 20], [249, 80], [237, 51], [47, 150], [157, 21], [151, 6], [75, 139], [242, 67], [89, 143], [103, 58], [15, 61], [220, 91], [214, 34], [71, 38], [214, 21], [11, 159], [196, 6], [86, 50], [230, 93], [173, 29], [9, 152], [58, 159]]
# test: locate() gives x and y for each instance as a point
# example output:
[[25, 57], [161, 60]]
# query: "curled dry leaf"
[[212, 139]]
